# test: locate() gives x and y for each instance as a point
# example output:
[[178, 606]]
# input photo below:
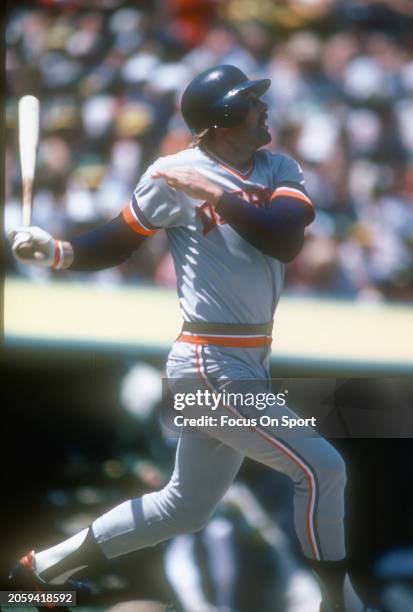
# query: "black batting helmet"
[[215, 98]]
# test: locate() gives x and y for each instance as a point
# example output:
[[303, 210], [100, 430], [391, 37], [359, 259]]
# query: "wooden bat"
[[28, 111]]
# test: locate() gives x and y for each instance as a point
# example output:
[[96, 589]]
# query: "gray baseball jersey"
[[219, 274]]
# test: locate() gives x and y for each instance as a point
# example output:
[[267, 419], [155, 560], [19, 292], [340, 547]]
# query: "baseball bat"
[[28, 112]]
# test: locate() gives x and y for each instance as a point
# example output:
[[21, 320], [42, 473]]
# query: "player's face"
[[255, 123]]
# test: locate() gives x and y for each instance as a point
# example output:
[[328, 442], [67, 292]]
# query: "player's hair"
[[202, 139]]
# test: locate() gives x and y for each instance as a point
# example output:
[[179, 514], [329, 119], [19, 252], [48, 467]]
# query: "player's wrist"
[[63, 255], [216, 196]]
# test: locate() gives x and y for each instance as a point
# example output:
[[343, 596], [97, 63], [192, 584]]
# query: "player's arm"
[[152, 207], [277, 230], [98, 249]]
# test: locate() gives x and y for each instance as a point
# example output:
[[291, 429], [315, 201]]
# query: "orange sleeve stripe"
[[295, 193], [132, 221], [292, 193]]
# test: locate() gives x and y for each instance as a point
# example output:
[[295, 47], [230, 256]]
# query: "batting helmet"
[[215, 98]]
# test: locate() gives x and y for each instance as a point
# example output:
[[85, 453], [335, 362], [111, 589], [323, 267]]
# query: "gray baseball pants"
[[206, 465]]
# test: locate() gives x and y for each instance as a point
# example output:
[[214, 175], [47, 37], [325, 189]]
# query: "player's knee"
[[189, 514], [194, 514], [197, 522], [332, 467], [190, 519]]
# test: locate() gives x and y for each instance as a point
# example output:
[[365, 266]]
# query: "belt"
[[227, 334]]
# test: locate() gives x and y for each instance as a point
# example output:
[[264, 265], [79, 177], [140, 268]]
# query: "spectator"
[[109, 76]]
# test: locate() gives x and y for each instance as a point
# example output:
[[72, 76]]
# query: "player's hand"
[[32, 245], [192, 182]]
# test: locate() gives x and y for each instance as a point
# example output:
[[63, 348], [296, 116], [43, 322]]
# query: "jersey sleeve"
[[290, 183], [154, 205]]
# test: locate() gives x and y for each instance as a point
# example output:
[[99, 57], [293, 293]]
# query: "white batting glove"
[[35, 246]]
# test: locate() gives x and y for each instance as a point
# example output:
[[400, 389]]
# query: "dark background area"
[[61, 425]]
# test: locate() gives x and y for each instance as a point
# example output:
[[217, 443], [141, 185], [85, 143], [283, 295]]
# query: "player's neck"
[[232, 153]]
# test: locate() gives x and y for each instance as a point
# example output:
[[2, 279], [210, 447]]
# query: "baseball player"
[[234, 215]]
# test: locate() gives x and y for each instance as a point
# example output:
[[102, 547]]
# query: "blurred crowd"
[[109, 76]]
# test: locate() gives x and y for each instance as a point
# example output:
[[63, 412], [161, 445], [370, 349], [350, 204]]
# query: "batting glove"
[[34, 246]]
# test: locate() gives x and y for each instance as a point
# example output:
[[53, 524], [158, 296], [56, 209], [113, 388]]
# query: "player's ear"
[[221, 132]]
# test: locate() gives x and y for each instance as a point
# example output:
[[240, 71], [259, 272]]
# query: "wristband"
[[61, 255]]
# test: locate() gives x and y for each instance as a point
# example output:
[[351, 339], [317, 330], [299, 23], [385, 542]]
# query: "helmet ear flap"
[[231, 110]]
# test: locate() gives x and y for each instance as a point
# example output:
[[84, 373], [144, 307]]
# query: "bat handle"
[[27, 201]]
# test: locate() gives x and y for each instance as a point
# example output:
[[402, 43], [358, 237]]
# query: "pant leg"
[[315, 467], [204, 470]]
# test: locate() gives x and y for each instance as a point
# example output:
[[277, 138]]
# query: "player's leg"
[[204, 469], [319, 476]]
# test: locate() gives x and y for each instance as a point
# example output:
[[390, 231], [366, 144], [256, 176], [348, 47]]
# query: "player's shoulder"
[[185, 157], [277, 161], [281, 167]]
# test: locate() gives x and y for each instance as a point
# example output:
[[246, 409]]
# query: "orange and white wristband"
[[62, 255]]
